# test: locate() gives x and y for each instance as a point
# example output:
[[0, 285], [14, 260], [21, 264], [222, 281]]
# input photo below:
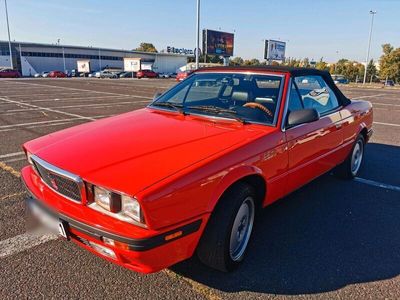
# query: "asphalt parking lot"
[[330, 239]]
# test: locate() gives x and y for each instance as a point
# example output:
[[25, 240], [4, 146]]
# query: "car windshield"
[[241, 96]]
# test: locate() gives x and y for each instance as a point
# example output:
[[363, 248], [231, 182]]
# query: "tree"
[[252, 62], [371, 70], [389, 63], [321, 65], [350, 69], [146, 47], [236, 61], [305, 63]]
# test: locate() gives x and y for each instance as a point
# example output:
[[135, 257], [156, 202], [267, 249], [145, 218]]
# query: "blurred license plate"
[[52, 223]]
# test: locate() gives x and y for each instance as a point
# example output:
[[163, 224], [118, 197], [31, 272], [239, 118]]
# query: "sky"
[[328, 29]]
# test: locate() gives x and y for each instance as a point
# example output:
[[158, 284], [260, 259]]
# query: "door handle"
[[339, 125]]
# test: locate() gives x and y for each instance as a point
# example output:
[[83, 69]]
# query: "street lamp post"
[[337, 59], [372, 13], [63, 53], [198, 34], [9, 38]]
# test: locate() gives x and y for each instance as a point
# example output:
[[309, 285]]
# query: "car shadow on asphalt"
[[327, 235]]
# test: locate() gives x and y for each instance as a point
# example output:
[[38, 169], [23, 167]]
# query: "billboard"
[[83, 66], [274, 50], [131, 64], [217, 42]]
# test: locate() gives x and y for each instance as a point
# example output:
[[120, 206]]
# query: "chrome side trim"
[[64, 174]]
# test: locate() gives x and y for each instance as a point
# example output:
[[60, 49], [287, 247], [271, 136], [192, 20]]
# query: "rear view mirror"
[[302, 116]]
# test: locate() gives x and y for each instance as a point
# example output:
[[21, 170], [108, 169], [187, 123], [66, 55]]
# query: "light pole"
[[99, 61], [337, 59], [198, 34], [63, 52], [9, 38], [372, 13]]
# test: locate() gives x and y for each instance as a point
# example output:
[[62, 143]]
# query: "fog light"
[[103, 250]]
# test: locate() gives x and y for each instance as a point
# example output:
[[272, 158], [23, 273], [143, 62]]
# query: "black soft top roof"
[[294, 72]]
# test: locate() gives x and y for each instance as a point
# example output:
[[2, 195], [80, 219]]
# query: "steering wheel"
[[259, 106]]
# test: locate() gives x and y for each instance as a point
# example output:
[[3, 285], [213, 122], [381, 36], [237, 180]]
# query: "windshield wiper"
[[177, 107], [219, 111]]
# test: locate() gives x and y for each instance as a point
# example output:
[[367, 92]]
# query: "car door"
[[313, 147]]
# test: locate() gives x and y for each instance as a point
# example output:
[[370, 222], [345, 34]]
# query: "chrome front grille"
[[60, 181]]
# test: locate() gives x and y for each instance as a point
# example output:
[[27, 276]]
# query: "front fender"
[[232, 176]]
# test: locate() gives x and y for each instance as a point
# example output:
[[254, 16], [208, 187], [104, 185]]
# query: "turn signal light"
[[173, 235]]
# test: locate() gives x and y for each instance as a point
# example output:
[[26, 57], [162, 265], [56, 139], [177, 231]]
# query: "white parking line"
[[11, 154], [378, 184], [387, 124], [14, 159], [30, 91], [45, 122], [24, 242], [48, 109], [70, 106], [69, 88], [367, 96], [51, 123], [388, 104]]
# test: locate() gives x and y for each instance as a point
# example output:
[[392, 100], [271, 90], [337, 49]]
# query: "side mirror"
[[156, 95], [302, 116]]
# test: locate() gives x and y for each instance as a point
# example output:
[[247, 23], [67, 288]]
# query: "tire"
[[350, 167], [220, 247]]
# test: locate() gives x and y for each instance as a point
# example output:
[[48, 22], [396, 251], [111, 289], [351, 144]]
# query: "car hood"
[[132, 151]]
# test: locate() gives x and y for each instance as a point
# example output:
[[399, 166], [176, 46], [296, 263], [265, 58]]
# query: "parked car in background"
[[341, 81], [9, 73], [57, 74], [106, 74], [146, 74], [45, 74], [388, 83], [187, 174], [127, 75], [183, 75], [167, 75], [38, 75]]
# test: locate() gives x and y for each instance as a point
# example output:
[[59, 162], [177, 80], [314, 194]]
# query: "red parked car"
[[57, 74], [9, 73], [183, 75], [146, 74], [151, 187]]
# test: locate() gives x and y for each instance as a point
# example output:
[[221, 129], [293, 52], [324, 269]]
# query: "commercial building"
[[31, 58]]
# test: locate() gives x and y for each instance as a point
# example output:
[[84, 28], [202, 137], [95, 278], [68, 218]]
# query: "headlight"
[[107, 200], [131, 208], [116, 205]]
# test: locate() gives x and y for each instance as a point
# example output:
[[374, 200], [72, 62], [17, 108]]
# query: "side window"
[[315, 93], [295, 102]]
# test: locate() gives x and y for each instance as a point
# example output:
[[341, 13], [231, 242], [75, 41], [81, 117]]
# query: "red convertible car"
[[151, 187]]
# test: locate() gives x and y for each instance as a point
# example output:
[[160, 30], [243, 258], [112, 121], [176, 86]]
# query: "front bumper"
[[146, 255]]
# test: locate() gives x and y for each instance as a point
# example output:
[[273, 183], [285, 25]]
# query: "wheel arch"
[[247, 174], [364, 133]]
